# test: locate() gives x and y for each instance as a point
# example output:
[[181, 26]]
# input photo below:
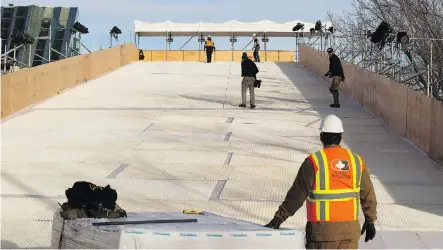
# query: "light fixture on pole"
[[114, 33], [80, 29]]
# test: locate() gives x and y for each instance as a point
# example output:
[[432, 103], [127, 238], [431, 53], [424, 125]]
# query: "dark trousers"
[[256, 54], [209, 55]]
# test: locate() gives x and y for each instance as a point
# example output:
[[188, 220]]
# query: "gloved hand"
[[331, 90], [122, 213], [369, 228], [327, 73], [275, 223]]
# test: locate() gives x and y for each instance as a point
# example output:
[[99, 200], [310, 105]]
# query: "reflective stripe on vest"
[[322, 195]]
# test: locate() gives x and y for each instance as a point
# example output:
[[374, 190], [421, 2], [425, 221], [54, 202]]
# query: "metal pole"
[[29, 59], [66, 50], [427, 84], [232, 47], [110, 40], [50, 47], [399, 64], [15, 54], [430, 70], [5, 61], [266, 49]]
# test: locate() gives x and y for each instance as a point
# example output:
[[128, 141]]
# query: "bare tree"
[[409, 63]]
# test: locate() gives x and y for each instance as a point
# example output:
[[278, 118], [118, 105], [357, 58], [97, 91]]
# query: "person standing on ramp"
[[335, 183], [209, 47], [249, 72], [337, 74]]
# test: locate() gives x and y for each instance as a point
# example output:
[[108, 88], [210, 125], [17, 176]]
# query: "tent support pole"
[[232, 47], [200, 47], [266, 48]]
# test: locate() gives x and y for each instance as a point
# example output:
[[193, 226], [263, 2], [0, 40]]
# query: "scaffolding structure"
[[402, 61]]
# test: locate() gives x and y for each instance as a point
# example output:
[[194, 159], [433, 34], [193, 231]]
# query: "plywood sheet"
[[418, 127], [148, 55], [346, 86], [158, 55], [174, 55], [272, 56], [222, 56], [369, 80], [436, 145], [191, 56], [286, 56], [358, 86]]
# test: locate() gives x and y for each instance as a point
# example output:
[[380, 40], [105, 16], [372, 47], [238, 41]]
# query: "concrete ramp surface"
[[170, 136]]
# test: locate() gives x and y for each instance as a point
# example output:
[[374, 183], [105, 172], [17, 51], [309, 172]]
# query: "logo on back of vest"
[[340, 165]]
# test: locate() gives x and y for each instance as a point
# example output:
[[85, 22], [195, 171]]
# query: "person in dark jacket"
[[249, 72], [336, 72]]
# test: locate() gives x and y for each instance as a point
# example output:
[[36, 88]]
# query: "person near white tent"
[[209, 47], [256, 48], [249, 73]]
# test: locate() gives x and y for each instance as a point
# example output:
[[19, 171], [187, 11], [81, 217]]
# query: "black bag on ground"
[[86, 199]]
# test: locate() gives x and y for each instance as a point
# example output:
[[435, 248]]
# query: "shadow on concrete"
[[395, 170], [8, 245]]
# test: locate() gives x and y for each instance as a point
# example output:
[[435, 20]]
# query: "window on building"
[[60, 34], [55, 56], [22, 11], [57, 45], [41, 44], [7, 13], [44, 32], [5, 34], [40, 53], [6, 23], [46, 23], [19, 24]]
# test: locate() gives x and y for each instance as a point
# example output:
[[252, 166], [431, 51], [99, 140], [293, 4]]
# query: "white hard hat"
[[209, 36], [254, 35], [331, 124]]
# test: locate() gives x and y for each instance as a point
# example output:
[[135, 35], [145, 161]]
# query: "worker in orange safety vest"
[[334, 182]]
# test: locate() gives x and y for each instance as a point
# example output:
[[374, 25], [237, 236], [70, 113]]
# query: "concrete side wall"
[[411, 114], [32, 85], [218, 56]]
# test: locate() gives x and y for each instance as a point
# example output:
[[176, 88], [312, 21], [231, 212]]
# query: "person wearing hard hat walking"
[[337, 74], [256, 48], [209, 47], [334, 182]]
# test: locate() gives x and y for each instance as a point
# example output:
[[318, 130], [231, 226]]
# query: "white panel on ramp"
[[210, 231]]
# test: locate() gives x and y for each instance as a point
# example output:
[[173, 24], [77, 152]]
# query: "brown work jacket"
[[327, 231]]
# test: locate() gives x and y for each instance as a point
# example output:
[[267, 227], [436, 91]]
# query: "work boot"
[[252, 106], [242, 105], [335, 106]]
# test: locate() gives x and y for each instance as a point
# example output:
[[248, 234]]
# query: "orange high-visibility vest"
[[209, 43], [335, 195]]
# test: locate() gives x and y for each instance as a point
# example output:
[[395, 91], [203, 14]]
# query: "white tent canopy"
[[270, 28]]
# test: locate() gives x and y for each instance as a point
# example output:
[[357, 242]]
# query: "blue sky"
[[101, 15]]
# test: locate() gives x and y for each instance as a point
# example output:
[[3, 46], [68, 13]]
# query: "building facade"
[[50, 26]]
